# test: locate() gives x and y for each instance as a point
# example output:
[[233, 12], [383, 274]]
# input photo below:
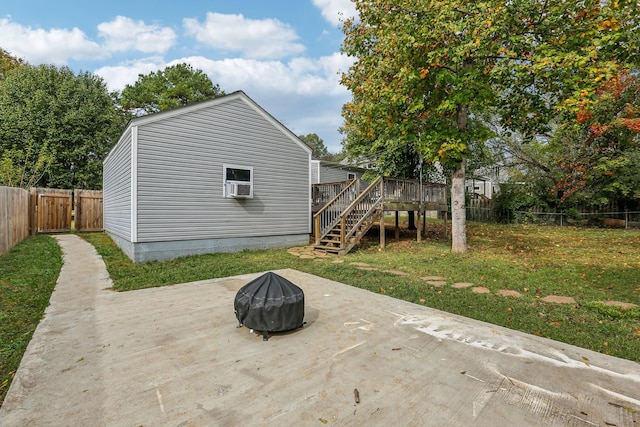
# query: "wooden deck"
[[343, 214]]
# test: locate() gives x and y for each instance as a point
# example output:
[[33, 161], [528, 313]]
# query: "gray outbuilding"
[[218, 176], [323, 172]]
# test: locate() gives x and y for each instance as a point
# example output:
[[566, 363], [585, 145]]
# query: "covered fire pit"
[[270, 303]]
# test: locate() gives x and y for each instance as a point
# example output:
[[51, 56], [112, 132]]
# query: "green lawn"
[[590, 265], [28, 274]]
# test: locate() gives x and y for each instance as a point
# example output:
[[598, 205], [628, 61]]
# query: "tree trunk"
[[458, 208], [458, 211]]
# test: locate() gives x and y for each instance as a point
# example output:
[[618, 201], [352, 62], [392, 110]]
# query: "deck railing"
[[359, 211], [401, 190], [329, 215], [321, 194], [435, 194], [408, 191]]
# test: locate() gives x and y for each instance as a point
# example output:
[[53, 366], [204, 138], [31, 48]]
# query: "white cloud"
[[264, 38], [336, 11], [118, 76], [299, 76], [55, 46], [125, 34], [59, 45], [304, 94]]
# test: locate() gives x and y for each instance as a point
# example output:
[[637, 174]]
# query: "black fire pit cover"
[[270, 303]]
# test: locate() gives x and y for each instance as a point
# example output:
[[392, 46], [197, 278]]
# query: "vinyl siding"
[[180, 182], [331, 174], [117, 188]]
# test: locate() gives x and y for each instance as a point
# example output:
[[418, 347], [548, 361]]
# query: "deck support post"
[[446, 227], [382, 240], [419, 227], [397, 225]]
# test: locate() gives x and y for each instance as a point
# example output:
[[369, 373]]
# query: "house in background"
[[323, 172], [481, 188], [484, 183], [217, 176], [329, 179]]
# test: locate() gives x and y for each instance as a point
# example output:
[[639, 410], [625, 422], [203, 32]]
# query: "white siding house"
[[218, 176]]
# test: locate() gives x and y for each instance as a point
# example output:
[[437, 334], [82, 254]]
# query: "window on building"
[[351, 176], [238, 181]]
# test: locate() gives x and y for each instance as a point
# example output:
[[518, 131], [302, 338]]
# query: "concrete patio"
[[173, 356]]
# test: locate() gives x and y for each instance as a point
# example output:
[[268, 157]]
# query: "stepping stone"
[[559, 300], [396, 272], [337, 261], [480, 290], [360, 264], [619, 304], [428, 278], [508, 293], [437, 283], [462, 285], [321, 254], [368, 268], [306, 256]]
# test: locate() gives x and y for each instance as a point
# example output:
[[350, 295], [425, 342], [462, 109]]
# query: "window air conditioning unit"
[[237, 190]]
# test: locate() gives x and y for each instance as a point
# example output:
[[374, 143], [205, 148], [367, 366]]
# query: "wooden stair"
[[331, 243], [340, 225]]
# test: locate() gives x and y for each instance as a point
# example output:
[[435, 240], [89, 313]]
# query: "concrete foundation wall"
[[162, 251]]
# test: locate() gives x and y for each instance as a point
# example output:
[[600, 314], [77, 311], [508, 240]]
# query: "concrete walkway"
[[173, 356]]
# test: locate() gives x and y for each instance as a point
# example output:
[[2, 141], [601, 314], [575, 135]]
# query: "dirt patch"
[[437, 283], [508, 293], [368, 268], [558, 299], [619, 304], [430, 278], [396, 272], [462, 285], [319, 254], [433, 231], [359, 264]]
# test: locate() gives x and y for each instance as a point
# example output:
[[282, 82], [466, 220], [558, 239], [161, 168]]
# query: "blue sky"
[[285, 54]]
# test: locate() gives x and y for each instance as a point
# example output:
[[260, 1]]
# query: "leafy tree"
[[590, 156], [25, 167], [426, 70], [56, 127], [175, 86], [606, 140], [319, 150], [8, 62]]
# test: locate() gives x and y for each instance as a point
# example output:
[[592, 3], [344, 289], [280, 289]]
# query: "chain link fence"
[[484, 211]]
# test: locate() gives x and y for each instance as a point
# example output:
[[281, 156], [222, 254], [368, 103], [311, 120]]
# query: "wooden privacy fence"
[[45, 210], [88, 210], [481, 210], [53, 210], [14, 217], [50, 210]]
